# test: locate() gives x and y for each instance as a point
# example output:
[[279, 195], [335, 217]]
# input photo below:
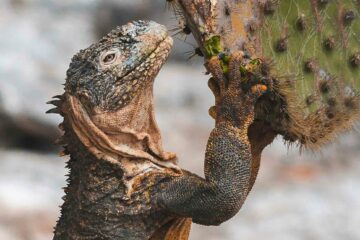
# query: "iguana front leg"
[[228, 158], [260, 133]]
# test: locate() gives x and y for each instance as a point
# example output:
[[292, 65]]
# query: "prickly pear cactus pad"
[[315, 46], [314, 41], [310, 49]]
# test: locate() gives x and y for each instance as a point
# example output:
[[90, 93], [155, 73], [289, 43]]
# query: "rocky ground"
[[309, 196]]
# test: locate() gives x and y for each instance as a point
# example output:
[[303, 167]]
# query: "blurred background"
[[297, 196]]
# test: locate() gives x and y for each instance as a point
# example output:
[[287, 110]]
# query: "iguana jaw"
[[130, 85]]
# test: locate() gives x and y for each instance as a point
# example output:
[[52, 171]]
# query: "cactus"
[[310, 49]]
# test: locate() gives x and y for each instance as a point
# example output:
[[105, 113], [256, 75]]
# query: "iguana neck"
[[96, 197], [133, 122], [129, 132], [94, 180]]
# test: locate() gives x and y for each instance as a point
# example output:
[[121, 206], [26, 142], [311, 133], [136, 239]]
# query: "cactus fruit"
[[310, 49]]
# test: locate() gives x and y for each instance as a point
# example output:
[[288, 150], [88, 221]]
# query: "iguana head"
[[108, 100], [110, 73]]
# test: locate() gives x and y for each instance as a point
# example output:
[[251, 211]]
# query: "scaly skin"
[[122, 185]]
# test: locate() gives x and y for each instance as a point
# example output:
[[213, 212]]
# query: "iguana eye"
[[109, 57]]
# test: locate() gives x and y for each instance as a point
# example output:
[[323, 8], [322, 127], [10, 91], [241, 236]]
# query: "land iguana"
[[297, 60], [122, 184]]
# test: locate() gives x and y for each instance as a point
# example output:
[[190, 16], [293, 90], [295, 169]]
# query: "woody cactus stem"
[[219, 26], [199, 17], [212, 21]]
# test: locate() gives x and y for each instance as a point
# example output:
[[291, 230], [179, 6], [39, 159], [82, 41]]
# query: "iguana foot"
[[235, 94]]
